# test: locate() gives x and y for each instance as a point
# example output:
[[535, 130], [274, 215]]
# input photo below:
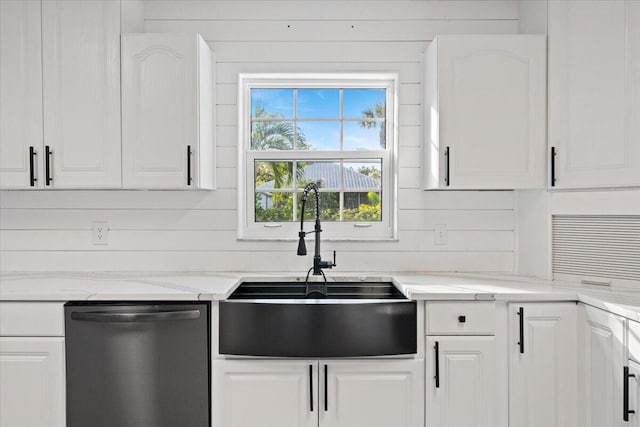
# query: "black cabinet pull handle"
[[553, 166], [326, 389], [436, 348], [625, 393], [462, 319], [311, 387], [32, 166], [521, 342], [447, 164], [47, 165], [189, 164]]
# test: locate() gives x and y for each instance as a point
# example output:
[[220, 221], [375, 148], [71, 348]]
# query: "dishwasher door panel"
[[137, 365]]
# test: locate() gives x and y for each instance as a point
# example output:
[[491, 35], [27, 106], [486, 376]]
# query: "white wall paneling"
[[533, 233], [173, 230], [328, 10]]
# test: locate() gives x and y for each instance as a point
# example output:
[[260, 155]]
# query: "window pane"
[[272, 103], [362, 206], [364, 175], [329, 206], [364, 103], [272, 135], [319, 135], [273, 206], [273, 175], [327, 174], [318, 103], [365, 135]]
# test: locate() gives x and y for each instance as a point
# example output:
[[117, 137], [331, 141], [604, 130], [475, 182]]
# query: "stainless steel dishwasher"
[[142, 365]]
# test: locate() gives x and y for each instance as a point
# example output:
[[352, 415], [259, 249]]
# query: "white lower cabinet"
[[601, 361], [32, 388], [460, 381], [634, 394], [542, 365], [633, 378], [371, 393], [265, 393], [353, 393]]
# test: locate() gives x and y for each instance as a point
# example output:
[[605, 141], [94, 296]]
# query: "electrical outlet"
[[440, 234], [100, 232]]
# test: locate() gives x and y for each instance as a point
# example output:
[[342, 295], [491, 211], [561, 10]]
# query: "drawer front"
[[36, 319], [460, 318]]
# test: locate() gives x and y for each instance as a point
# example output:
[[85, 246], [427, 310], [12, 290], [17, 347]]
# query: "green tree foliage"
[[275, 135], [370, 171], [378, 111]]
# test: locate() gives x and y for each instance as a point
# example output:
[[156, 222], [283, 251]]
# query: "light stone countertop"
[[116, 286]]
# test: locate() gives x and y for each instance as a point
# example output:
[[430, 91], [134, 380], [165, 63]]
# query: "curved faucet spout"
[[318, 264]]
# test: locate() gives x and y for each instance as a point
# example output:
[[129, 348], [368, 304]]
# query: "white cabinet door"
[[460, 381], [81, 83], [542, 365], [601, 359], [167, 111], [594, 92], [32, 382], [633, 346], [265, 393], [20, 94], [368, 393], [634, 394], [485, 108]]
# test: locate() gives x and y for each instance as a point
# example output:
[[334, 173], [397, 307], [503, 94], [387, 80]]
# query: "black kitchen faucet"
[[318, 263]]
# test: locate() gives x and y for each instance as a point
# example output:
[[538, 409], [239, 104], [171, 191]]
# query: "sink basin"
[[354, 319], [298, 290]]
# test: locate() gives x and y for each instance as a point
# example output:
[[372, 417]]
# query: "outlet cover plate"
[[100, 232]]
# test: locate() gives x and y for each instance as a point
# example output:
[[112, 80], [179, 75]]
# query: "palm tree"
[[275, 135], [378, 111]]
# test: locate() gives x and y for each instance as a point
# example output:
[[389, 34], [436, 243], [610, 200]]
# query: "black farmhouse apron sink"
[[318, 320]]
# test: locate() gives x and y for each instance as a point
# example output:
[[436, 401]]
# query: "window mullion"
[[341, 194], [295, 119], [294, 185]]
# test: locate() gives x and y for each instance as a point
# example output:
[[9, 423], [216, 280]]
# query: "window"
[[337, 131]]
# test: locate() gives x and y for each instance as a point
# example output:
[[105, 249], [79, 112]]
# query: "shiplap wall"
[[196, 231]]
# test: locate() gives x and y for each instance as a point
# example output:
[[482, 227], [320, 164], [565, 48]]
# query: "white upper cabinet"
[[485, 112], [167, 110], [81, 93], [594, 93], [20, 94]]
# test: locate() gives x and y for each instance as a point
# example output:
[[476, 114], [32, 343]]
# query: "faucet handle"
[[328, 264]]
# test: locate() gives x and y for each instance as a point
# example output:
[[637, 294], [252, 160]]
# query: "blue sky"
[[325, 104]]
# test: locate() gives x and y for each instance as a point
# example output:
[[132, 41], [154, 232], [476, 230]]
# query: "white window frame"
[[386, 229]]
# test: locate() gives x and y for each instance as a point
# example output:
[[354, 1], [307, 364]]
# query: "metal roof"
[[329, 174]]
